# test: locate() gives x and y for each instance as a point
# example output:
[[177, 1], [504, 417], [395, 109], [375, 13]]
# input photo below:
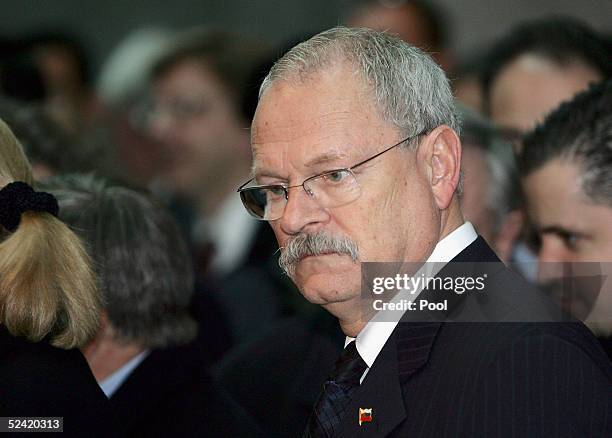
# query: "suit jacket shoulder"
[[171, 394]]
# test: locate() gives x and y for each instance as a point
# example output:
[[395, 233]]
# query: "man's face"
[[197, 124], [571, 228], [527, 89], [328, 122]]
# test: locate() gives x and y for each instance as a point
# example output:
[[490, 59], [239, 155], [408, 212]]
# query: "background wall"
[[103, 23]]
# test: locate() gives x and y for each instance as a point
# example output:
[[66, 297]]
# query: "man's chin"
[[328, 294], [323, 283]]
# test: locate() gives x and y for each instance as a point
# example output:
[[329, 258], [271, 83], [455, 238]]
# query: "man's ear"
[[439, 157]]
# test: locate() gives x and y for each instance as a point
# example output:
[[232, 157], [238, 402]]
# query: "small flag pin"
[[365, 415]]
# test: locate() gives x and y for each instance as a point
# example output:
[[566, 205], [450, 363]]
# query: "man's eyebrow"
[[560, 230], [257, 173], [324, 159], [266, 173], [316, 161]]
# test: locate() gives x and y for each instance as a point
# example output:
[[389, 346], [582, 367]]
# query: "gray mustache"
[[305, 245]]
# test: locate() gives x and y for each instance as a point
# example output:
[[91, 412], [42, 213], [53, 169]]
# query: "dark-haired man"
[[418, 22], [566, 169], [539, 64]]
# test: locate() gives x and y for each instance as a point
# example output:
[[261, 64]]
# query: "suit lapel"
[[475, 260], [406, 351], [414, 342]]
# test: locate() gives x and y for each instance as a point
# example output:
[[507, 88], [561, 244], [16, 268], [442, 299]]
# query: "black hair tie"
[[17, 198]]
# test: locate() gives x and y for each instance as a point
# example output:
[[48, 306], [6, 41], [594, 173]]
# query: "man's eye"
[[570, 240], [533, 239], [186, 108], [277, 191], [336, 176]]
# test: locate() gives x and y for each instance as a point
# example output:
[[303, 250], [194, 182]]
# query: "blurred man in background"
[[529, 72], [418, 22], [64, 65], [196, 114], [200, 116], [466, 80], [566, 170], [536, 66]]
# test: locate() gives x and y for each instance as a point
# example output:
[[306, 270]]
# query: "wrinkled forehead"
[[286, 128], [329, 139], [317, 117]]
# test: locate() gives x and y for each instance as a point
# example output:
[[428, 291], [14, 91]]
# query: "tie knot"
[[350, 367]]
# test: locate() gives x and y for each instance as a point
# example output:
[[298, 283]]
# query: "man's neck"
[[451, 220], [353, 321], [105, 356], [349, 315], [353, 328]]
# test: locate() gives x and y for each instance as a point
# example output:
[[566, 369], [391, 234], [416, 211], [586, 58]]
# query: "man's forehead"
[[324, 117], [554, 193], [332, 99], [287, 129], [324, 142]]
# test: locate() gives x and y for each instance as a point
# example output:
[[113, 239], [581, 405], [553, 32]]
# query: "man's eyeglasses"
[[177, 108], [333, 188]]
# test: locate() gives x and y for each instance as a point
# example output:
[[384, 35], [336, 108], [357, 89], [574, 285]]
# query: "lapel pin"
[[365, 415]]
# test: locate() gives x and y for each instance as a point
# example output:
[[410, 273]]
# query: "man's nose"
[[302, 212]]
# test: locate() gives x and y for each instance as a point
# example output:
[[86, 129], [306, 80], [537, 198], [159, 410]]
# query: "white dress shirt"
[[112, 383], [377, 331]]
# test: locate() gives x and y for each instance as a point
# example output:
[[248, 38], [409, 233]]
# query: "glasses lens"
[[335, 188], [264, 203]]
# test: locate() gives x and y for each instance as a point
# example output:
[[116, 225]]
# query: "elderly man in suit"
[[357, 159]]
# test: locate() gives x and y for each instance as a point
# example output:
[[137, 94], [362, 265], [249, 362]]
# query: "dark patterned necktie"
[[337, 392]]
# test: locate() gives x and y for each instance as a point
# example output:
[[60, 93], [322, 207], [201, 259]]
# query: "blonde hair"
[[47, 285]]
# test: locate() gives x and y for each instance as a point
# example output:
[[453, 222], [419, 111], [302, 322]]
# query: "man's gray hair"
[[408, 87], [143, 265]]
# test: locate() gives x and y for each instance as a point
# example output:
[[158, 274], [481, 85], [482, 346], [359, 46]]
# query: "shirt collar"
[[111, 384]]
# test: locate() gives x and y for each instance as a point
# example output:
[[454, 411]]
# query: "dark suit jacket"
[[256, 295], [482, 379], [277, 377], [606, 343], [37, 380], [170, 394]]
